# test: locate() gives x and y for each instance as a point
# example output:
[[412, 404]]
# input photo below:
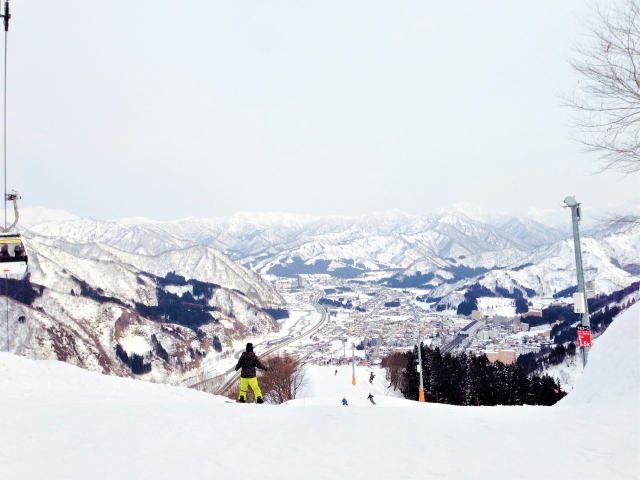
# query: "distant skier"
[[371, 377], [370, 398], [336, 372], [344, 402], [248, 362]]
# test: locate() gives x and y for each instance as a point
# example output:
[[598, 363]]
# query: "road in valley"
[[280, 344]]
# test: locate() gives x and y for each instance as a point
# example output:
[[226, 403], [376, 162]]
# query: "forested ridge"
[[468, 380]]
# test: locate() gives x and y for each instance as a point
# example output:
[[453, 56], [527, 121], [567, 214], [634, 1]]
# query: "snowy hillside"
[[196, 262], [61, 422], [176, 311], [610, 261], [612, 375]]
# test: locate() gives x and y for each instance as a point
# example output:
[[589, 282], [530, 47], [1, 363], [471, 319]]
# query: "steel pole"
[[575, 220]]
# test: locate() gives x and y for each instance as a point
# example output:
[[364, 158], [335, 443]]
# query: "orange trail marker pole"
[[353, 365]]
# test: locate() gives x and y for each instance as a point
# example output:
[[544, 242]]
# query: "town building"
[[508, 357]]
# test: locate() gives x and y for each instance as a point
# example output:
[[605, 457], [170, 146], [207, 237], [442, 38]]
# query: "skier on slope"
[[371, 377], [370, 398], [248, 362], [336, 372], [344, 402]]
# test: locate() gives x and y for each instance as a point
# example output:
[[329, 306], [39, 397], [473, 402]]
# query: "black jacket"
[[248, 362]]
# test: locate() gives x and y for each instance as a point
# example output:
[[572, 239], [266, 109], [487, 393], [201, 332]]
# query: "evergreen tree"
[[473, 380]]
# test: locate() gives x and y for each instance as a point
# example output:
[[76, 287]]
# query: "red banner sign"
[[584, 336]]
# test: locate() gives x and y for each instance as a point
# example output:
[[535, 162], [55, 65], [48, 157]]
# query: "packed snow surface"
[[58, 421], [613, 372]]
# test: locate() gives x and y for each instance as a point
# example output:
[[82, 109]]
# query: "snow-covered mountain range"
[[389, 240], [174, 293], [454, 247]]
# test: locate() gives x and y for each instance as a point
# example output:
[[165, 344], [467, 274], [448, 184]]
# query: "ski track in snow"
[[59, 421]]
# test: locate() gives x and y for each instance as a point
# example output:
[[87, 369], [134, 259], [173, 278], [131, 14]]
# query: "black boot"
[[241, 400], [259, 400]]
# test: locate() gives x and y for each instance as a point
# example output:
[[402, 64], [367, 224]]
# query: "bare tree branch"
[[283, 379], [607, 100]]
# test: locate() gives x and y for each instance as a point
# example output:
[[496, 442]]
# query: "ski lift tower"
[[580, 297]]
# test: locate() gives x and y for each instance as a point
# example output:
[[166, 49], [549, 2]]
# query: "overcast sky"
[[206, 108]]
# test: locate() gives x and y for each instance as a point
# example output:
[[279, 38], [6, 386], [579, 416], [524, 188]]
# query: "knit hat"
[[249, 347]]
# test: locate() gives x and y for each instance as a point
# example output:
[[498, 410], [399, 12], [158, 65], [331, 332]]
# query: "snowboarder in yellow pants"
[[248, 362], [245, 383]]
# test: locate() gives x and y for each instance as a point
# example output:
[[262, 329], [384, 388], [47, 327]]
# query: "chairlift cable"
[[6, 16]]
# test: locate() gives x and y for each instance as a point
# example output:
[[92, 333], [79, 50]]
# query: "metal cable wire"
[[4, 122], [6, 279]]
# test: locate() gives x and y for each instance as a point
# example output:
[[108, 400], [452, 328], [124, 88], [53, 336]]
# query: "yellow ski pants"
[[245, 383]]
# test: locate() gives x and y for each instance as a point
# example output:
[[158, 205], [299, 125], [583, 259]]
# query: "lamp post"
[[580, 298]]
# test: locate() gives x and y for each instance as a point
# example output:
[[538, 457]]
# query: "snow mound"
[[612, 373], [52, 379]]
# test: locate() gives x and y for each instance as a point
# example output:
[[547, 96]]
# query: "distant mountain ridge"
[[392, 239], [448, 249]]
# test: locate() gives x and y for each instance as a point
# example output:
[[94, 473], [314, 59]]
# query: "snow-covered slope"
[[59, 422], [612, 374], [197, 262], [611, 261], [528, 231], [52, 379], [88, 300]]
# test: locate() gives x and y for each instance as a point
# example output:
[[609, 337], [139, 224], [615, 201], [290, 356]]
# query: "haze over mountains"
[[249, 237]]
